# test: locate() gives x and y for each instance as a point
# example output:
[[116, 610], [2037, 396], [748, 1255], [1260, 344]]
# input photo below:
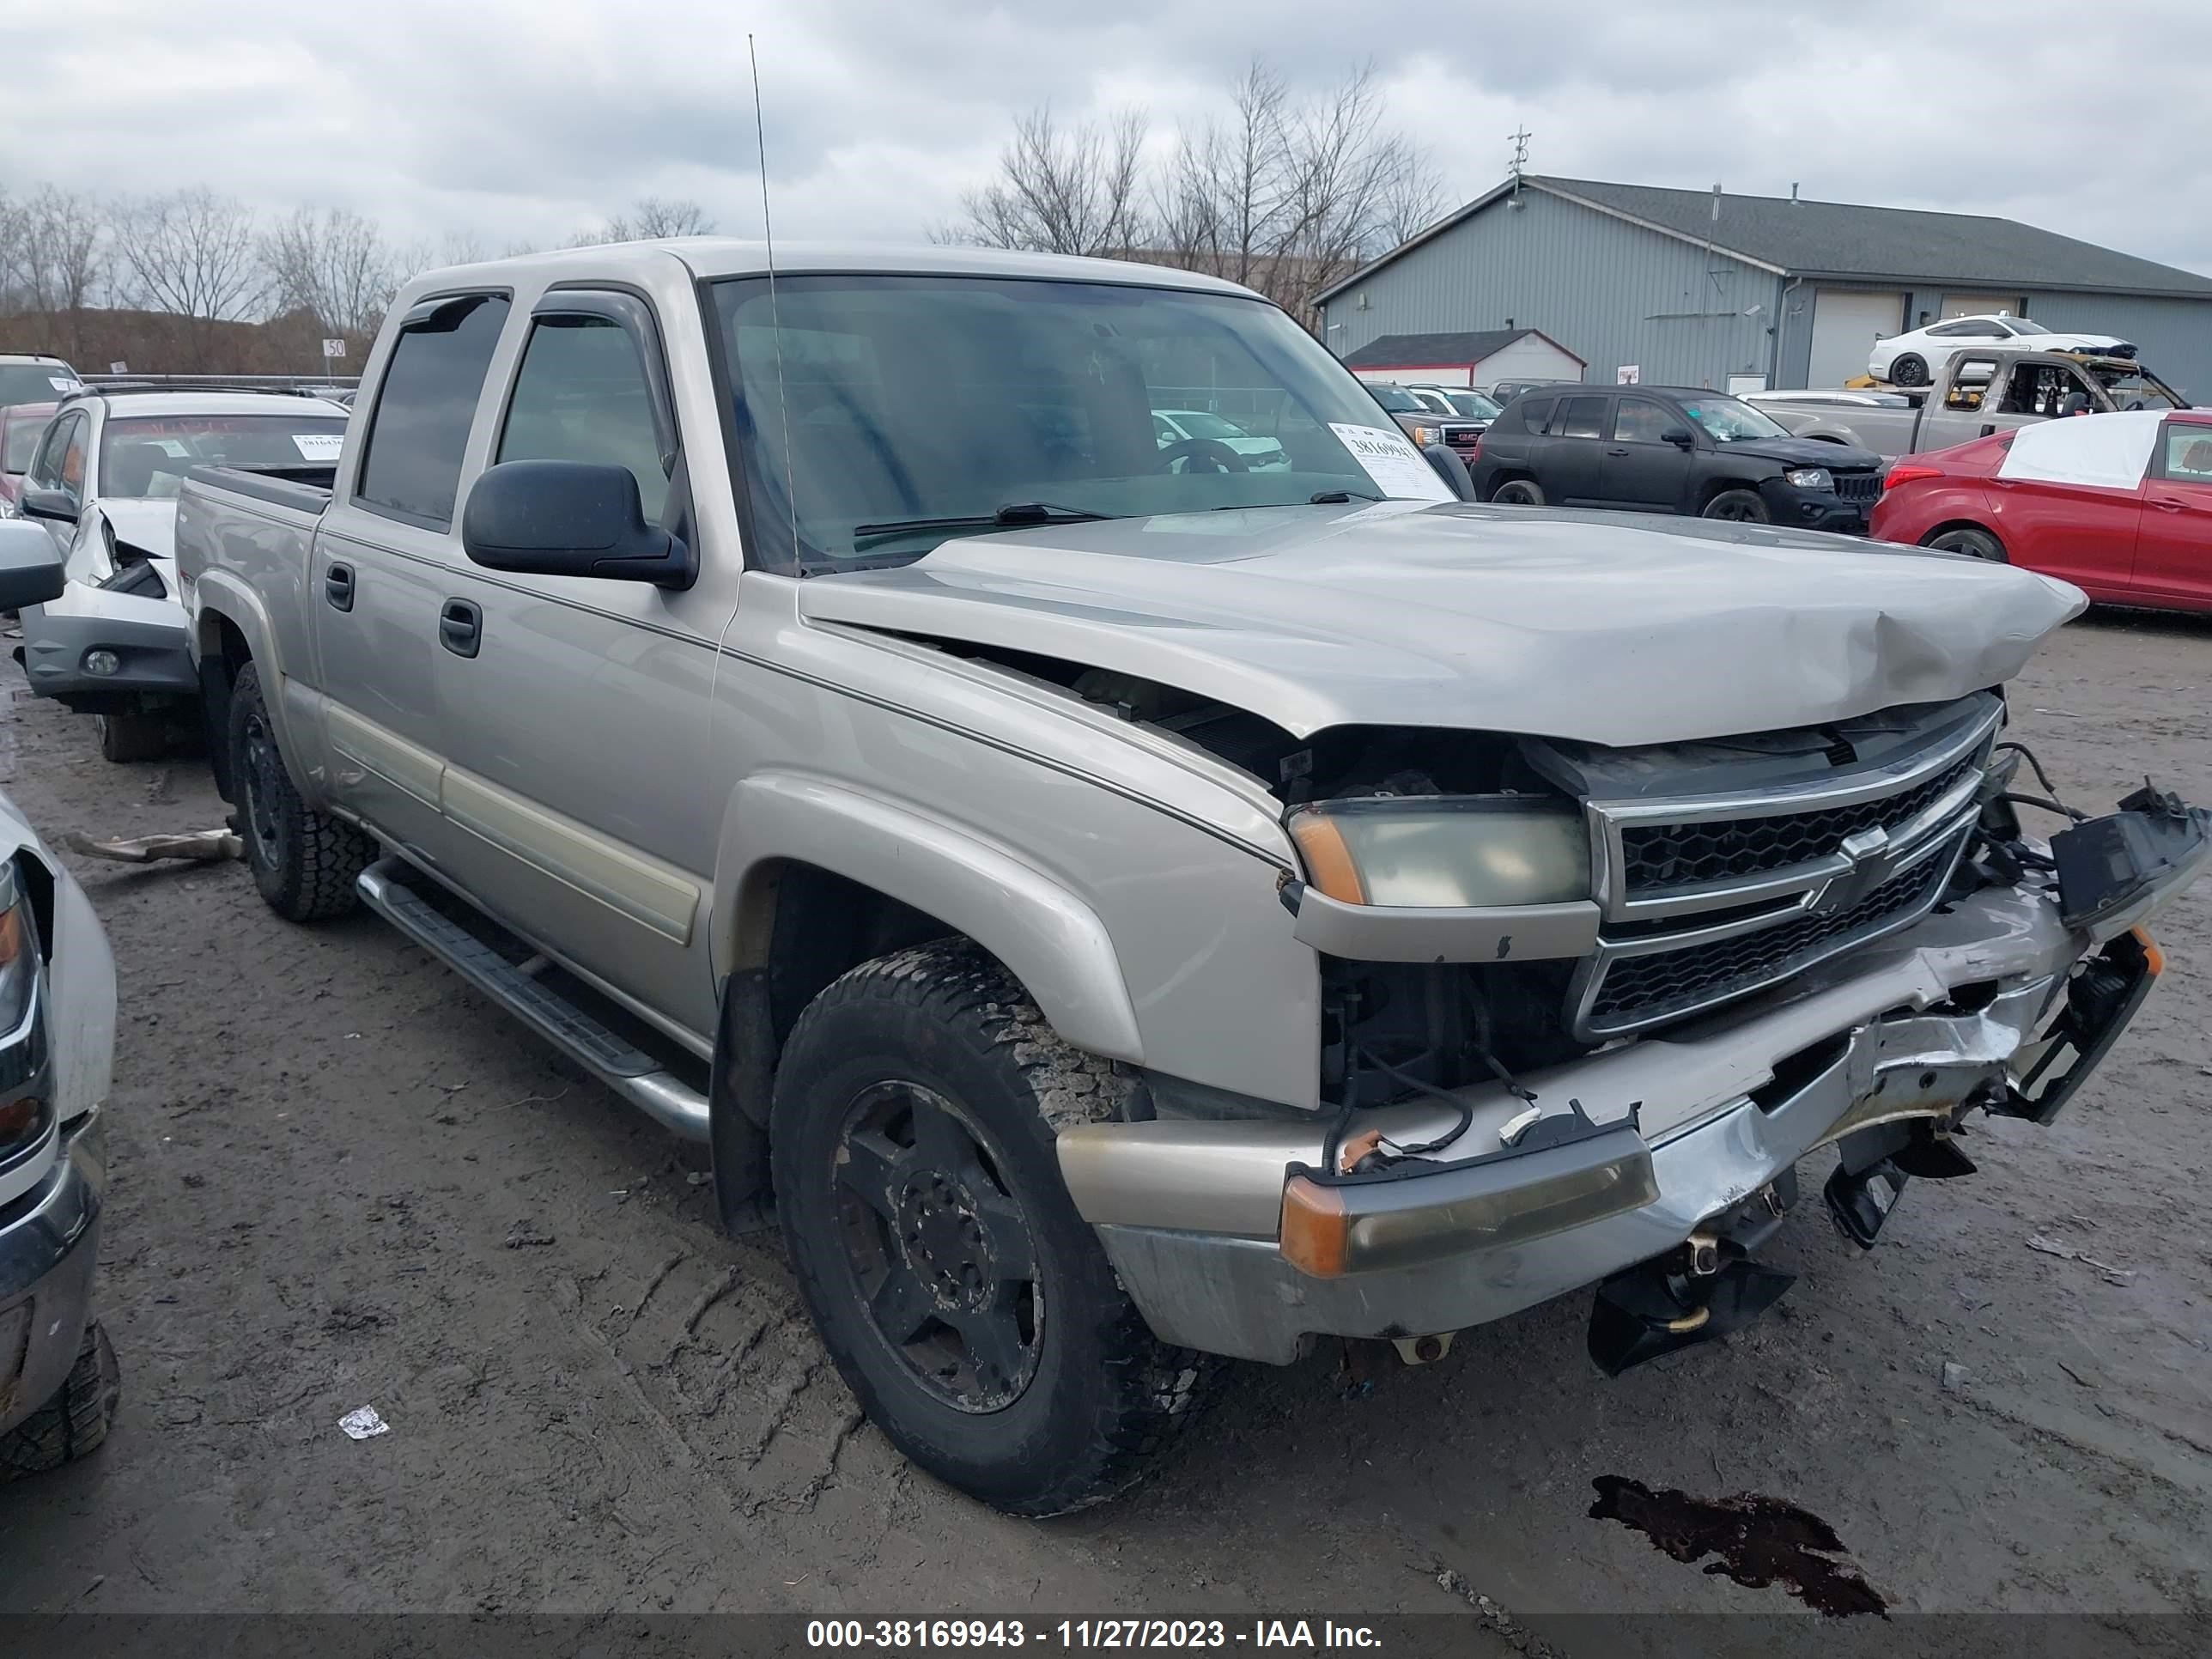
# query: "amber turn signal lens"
[[2154, 958], [1329, 860], [11, 935], [1316, 1230], [20, 1120]]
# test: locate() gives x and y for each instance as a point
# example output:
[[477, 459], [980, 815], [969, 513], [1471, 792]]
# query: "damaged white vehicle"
[[59, 1381], [104, 481], [1124, 905]]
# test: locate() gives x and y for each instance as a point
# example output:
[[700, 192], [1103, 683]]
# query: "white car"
[[57, 1372], [1199, 426], [104, 481], [1910, 359]]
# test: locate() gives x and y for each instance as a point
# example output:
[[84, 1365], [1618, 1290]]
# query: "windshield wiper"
[[1338, 497], [1011, 514]]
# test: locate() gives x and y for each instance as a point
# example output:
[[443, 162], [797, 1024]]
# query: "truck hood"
[[1805, 451], [1591, 626]]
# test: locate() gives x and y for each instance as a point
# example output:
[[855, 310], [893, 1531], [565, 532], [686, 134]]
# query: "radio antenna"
[[775, 315]]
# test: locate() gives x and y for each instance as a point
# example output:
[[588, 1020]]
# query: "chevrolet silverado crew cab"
[[1124, 906]]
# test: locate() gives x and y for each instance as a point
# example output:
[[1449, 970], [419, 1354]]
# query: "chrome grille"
[[1714, 894], [1656, 857], [1632, 991]]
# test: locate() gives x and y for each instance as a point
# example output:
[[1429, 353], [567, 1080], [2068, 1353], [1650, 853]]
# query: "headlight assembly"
[[1811, 477], [23, 1113], [1444, 851]]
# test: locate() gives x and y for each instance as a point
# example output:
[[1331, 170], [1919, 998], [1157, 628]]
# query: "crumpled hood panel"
[[1593, 626], [150, 524]]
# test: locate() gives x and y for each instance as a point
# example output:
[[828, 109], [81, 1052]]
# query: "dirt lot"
[[341, 1180]]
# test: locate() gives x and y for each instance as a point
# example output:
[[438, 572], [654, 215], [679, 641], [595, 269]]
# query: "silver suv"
[[1124, 906]]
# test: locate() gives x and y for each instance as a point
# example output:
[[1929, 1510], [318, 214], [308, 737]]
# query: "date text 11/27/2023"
[[1299, 1634]]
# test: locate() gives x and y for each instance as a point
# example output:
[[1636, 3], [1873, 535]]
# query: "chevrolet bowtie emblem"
[[1868, 853]]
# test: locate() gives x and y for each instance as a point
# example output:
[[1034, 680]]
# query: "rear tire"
[[1909, 370], [1518, 492], [75, 1420], [132, 737], [305, 862], [963, 1300], [1978, 543], [1738, 507]]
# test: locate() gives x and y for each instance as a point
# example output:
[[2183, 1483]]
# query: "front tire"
[[74, 1422], [1909, 370], [1979, 544], [125, 738], [1518, 492], [963, 1300], [1738, 507], [305, 862]]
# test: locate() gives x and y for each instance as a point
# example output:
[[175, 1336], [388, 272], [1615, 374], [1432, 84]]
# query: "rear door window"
[[427, 401], [1580, 417]]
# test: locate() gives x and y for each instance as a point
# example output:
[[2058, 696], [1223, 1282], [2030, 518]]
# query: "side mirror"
[[38, 502], [1451, 467], [1680, 436], [570, 518], [31, 566]]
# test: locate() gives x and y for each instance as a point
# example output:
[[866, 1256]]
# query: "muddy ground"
[[342, 1180]]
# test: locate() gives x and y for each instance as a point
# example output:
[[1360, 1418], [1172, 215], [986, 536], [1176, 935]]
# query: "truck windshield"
[[1731, 420], [878, 414], [1473, 405], [2140, 389], [150, 455]]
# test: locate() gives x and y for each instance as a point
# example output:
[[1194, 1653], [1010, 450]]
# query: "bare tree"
[[56, 252], [649, 217], [1294, 195], [1065, 189], [335, 266], [191, 253]]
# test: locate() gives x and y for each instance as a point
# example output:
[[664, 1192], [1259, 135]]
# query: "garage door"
[[1983, 305], [1846, 322]]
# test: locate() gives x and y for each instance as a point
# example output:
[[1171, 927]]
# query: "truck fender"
[[1048, 939], [218, 596]]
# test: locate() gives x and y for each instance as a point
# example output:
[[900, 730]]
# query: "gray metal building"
[[1691, 287]]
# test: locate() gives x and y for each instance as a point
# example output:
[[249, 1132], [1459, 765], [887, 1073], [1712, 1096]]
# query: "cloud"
[[509, 121]]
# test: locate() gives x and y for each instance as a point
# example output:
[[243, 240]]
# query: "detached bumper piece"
[[2102, 995]]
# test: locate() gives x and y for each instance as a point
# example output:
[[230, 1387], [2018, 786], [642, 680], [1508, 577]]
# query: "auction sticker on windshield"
[[1399, 470], [318, 446]]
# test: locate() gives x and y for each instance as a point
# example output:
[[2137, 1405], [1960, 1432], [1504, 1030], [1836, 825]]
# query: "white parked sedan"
[[1193, 426], [1910, 359]]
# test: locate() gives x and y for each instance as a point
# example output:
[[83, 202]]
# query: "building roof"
[[1439, 350], [1841, 239]]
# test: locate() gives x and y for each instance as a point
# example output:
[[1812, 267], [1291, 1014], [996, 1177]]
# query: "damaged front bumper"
[[102, 652], [1684, 1130]]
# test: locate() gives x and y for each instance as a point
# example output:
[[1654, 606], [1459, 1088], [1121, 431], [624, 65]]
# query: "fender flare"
[[219, 595], [1048, 937]]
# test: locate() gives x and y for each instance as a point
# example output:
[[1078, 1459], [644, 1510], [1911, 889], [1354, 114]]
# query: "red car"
[[2118, 504]]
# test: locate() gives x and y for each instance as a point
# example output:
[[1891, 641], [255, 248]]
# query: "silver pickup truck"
[[1124, 907], [1973, 395]]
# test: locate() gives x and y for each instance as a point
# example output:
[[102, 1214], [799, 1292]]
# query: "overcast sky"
[[521, 120]]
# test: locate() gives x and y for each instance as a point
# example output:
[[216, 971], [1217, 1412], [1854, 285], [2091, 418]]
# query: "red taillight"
[[1902, 474], [1475, 450]]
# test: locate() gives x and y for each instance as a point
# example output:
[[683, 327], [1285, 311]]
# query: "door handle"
[[338, 586], [1616, 451], [460, 626], [2165, 505]]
